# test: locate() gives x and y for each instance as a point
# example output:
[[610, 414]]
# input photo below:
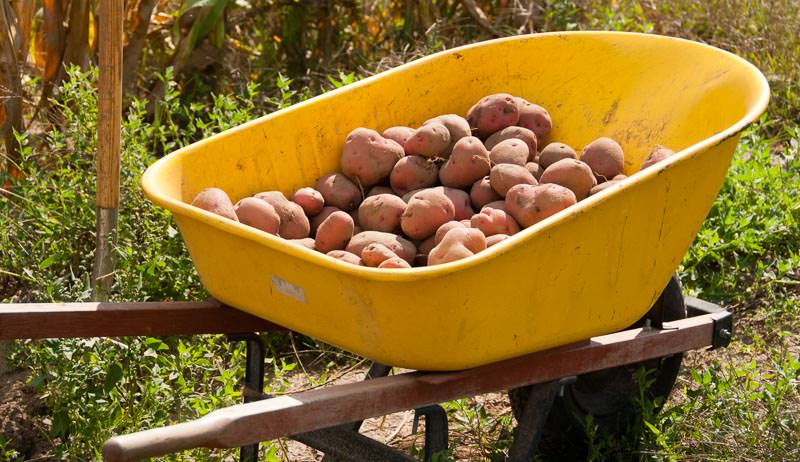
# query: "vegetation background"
[[195, 67]]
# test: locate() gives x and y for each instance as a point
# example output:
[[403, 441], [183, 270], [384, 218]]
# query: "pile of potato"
[[438, 193]]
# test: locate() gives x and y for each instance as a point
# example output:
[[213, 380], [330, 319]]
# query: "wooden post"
[[108, 142]]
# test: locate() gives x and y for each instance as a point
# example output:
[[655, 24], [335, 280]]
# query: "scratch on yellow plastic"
[[592, 269]]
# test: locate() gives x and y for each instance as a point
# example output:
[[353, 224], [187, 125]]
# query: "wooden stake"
[[108, 142]]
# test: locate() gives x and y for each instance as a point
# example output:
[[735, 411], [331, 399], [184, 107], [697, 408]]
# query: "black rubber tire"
[[608, 394]]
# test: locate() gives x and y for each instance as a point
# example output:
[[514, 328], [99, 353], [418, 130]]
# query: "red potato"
[[425, 246], [459, 198], [493, 113], [258, 214], [572, 174], [495, 239], [306, 242], [402, 247], [437, 238], [394, 263], [412, 173], [468, 162], [535, 169], [381, 213], [554, 152], [375, 190], [461, 202], [494, 221], [466, 223], [407, 196], [482, 193], [457, 126], [532, 204], [604, 157], [499, 205], [457, 244], [426, 211], [334, 232], [338, 191], [423, 249], [310, 199], [504, 176], [398, 134], [215, 201], [376, 253], [317, 219], [511, 151], [602, 186], [354, 215], [347, 257], [368, 157], [514, 132], [534, 117], [658, 154], [619, 177], [294, 222], [431, 140], [271, 196]]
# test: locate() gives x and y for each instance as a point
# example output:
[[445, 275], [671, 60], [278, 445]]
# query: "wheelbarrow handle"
[[165, 440]]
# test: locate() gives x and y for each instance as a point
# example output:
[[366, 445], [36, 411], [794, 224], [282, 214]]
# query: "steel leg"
[[435, 429], [253, 382], [343, 442]]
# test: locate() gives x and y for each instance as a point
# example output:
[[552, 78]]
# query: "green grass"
[[748, 244], [742, 403], [95, 388]]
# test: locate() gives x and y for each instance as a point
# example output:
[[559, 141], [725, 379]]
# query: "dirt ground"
[[19, 425]]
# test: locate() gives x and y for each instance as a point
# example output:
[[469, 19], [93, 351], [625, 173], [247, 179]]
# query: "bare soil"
[[21, 413]]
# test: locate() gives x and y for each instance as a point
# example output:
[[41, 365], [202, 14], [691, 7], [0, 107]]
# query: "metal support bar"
[[253, 381], [723, 330], [342, 443], [723, 320], [435, 429], [529, 430]]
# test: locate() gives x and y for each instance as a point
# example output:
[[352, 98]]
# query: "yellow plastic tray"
[[592, 269]]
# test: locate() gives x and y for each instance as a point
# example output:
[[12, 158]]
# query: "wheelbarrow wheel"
[[608, 395]]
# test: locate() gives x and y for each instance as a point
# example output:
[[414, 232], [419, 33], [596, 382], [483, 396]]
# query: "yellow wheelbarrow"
[[538, 314], [592, 269]]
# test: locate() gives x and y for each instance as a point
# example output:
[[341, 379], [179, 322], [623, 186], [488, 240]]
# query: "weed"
[[6, 453]]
